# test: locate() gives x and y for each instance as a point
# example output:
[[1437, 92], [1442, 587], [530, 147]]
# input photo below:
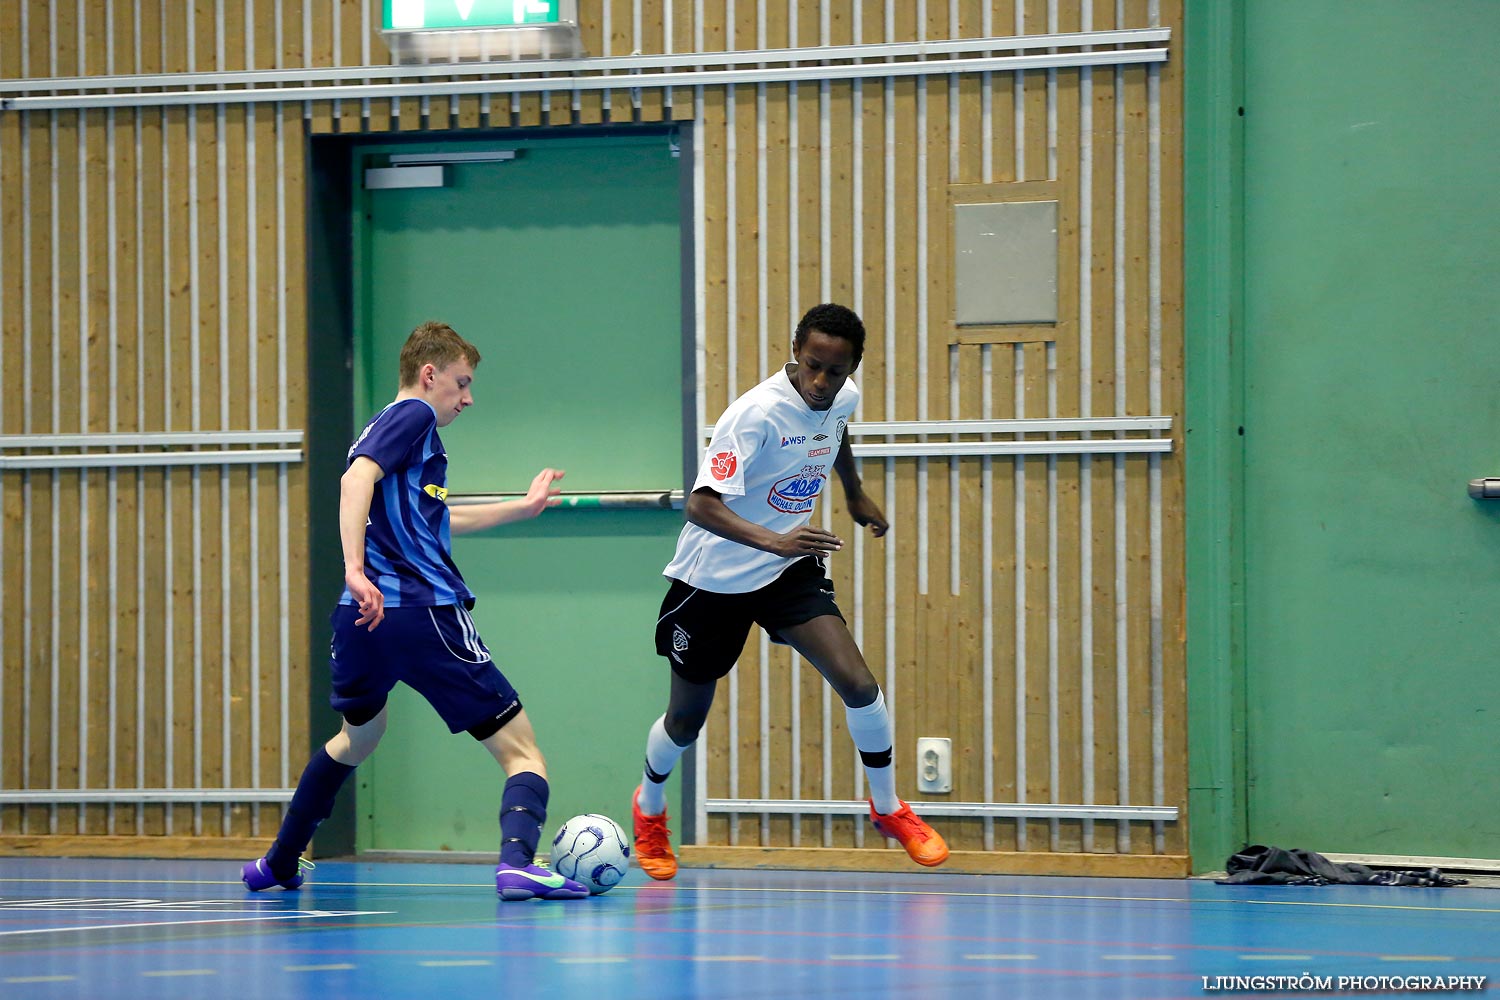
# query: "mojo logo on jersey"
[[795, 494], [793, 439], [838, 432], [722, 465], [679, 638]]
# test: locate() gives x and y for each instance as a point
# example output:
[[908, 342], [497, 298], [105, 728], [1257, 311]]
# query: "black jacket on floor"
[[1260, 865]]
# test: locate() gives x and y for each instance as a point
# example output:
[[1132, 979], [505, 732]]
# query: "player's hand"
[[807, 541], [866, 512], [543, 493], [367, 597]]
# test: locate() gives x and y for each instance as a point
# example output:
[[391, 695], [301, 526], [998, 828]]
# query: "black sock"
[[523, 810], [311, 804]]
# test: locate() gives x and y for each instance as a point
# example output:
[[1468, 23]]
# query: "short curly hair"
[[836, 321], [435, 343]]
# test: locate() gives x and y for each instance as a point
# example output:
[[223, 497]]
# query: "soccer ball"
[[591, 849]]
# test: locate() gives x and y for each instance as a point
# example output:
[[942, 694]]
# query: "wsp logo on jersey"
[[796, 494], [795, 439], [434, 490]]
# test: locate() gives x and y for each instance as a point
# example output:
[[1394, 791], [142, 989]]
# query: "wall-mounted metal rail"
[[1018, 810], [154, 448], [832, 62]]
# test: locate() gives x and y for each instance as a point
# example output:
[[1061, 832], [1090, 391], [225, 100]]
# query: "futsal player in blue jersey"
[[404, 616]]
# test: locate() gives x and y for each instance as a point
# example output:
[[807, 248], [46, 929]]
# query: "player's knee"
[[859, 692], [684, 724], [356, 741], [365, 714]]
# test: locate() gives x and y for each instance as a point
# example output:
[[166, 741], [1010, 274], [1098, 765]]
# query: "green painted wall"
[[563, 267], [1367, 361]]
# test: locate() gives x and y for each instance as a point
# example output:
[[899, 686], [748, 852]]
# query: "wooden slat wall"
[[139, 291], [165, 610]]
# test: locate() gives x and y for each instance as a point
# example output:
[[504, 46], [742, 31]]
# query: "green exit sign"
[[425, 15]]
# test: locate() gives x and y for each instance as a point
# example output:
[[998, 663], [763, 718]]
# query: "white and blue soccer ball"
[[591, 849]]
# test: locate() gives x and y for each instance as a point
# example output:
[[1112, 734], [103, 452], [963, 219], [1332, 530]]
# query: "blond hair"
[[435, 343]]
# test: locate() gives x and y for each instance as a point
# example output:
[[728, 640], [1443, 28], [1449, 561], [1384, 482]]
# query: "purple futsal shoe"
[[257, 876], [535, 882]]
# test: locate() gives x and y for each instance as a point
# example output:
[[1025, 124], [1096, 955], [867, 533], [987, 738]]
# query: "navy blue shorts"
[[701, 633], [436, 651]]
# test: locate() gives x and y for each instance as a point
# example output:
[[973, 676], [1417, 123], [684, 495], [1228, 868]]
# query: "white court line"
[[302, 915], [38, 979], [625, 889], [222, 906]]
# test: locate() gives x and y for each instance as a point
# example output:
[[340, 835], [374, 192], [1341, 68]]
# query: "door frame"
[[331, 317], [1214, 406]]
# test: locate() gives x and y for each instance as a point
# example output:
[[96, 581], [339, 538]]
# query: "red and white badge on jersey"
[[722, 465]]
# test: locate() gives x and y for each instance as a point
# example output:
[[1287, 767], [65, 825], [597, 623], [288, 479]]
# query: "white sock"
[[870, 727], [661, 757]]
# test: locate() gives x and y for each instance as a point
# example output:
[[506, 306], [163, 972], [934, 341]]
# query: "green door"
[[563, 266], [1372, 397]]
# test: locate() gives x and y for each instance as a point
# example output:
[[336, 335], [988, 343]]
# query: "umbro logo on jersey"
[[794, 439], [820, 437], [434, 490]]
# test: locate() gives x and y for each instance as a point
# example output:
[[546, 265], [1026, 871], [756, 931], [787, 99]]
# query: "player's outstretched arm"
[[356, 488], [706, 508], [542, 494], [864, 510]]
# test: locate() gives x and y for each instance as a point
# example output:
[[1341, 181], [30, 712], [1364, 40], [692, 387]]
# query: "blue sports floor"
[[165, 929]]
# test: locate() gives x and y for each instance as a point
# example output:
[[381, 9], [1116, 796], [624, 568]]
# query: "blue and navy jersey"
[[407, 539]]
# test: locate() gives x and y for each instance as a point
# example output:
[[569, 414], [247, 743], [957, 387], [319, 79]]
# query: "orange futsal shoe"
[[653, 842], [921, 841]]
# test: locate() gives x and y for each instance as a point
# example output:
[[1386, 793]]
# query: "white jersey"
[[770, 457]]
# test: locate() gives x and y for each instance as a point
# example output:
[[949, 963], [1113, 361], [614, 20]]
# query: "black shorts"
[[437, 651], [701, 633]]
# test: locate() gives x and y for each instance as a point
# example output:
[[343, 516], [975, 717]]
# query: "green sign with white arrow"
[[423, 15]]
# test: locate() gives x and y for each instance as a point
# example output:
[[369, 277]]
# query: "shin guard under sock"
[[311, 804], [523, 811]]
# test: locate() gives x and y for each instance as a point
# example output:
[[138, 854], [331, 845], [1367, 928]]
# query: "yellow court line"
[[795, 889]]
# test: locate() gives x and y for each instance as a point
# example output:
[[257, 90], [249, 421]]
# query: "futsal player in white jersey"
[[749, 555]]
